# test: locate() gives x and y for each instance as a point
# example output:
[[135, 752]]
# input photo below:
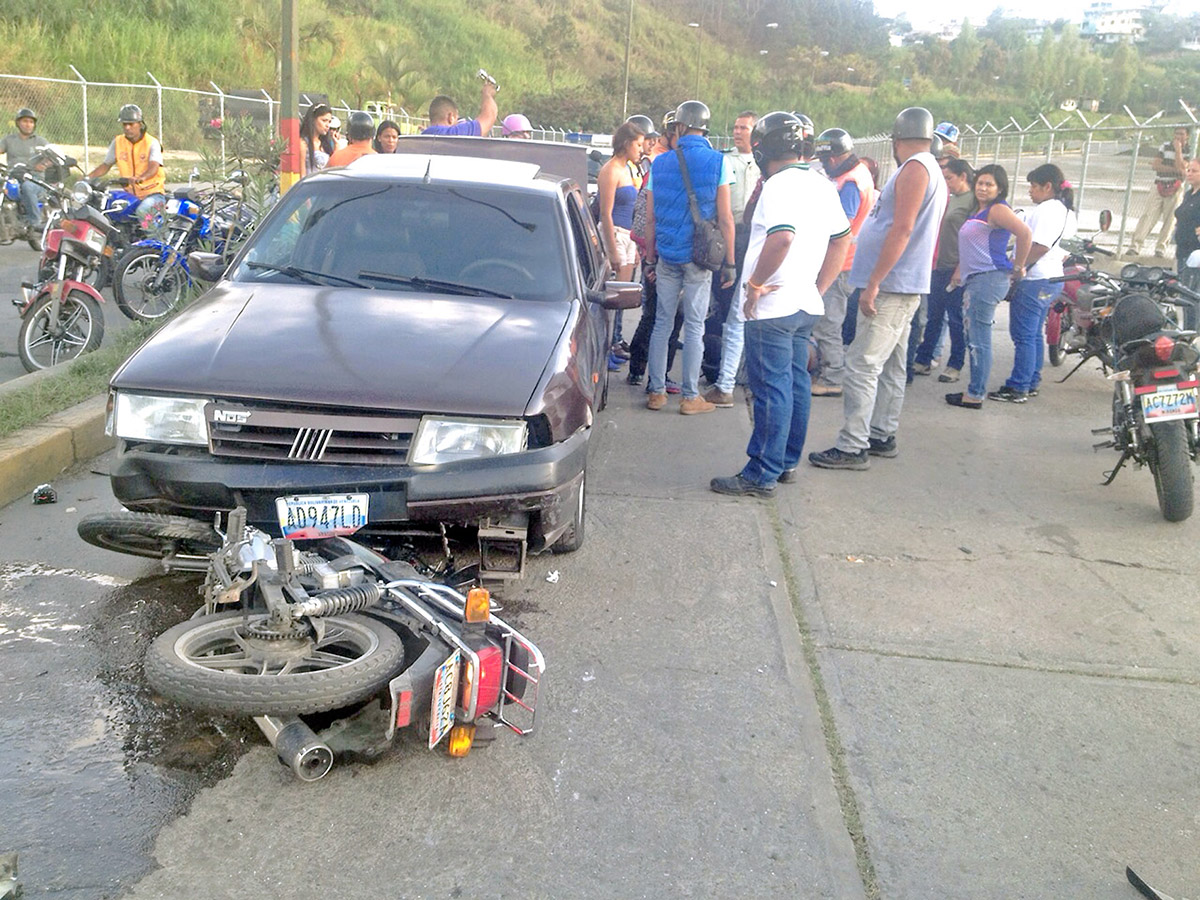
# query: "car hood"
[[348, 347]]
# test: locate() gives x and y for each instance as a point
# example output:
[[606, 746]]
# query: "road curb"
[[40, 453]]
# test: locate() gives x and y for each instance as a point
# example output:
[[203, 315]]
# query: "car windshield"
[[392, 236]]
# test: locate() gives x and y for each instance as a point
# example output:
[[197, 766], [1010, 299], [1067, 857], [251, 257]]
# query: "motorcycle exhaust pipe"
[[298, 746]]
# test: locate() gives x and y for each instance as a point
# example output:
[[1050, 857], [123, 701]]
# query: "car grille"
[[289, 435]]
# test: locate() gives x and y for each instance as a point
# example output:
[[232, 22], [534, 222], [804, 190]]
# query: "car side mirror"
[[207, 266], [621, 295], [1105, 219]]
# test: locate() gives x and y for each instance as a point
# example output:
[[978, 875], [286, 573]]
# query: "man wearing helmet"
[[360, 131], [892, 266], [799, 235], [856, 190], [669, 232], [19, 149], [138, 157]]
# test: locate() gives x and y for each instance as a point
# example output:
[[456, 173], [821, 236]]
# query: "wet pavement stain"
[[93, 763]]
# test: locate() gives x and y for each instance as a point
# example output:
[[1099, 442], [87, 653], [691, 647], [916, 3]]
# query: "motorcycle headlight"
[[165, 420], [440, 440], [81, 193]]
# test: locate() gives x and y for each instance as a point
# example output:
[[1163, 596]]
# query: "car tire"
[[572, 539]]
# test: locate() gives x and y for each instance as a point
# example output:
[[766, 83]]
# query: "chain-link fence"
[[1108, 162]]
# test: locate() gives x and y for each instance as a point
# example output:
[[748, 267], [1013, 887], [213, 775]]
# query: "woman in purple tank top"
[[985, 273]]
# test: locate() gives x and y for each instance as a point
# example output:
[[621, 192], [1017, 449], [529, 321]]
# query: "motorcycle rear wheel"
[[217, 662], [134, 286], [1058, 327], [82, 324], [151, 535], [1172, 468]]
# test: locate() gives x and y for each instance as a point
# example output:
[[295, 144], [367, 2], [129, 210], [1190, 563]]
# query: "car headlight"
[[441, 440], [165, 420]]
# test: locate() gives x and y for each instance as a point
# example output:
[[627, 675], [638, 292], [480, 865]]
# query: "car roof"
[[553, 159]]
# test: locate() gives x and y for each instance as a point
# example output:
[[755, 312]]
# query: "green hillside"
[[562, 61]]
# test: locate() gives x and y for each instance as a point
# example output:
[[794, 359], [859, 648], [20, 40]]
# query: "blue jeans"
[[1026, 317], [982, 293], [733, 339], [777, 367], [31, 203], [948, 305], [688, 286]]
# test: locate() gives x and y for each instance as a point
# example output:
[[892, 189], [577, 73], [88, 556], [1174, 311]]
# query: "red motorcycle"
[[61, 316], [1070, 325]]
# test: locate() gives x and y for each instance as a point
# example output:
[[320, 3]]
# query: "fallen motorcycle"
[[1155, 420], [293, 629]]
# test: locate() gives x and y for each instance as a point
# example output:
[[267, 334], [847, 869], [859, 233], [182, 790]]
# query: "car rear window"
[[502, 241]]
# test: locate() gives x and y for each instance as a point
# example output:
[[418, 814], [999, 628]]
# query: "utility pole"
[[628, 44], [289, 103]]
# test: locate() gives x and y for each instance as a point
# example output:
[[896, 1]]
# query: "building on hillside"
[[1108, 22]]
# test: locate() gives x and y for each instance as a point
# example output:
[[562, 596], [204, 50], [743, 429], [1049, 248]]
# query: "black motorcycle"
[[1155, 420]]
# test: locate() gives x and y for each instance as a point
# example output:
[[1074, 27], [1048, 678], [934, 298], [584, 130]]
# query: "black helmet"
[[833, 142], [361, 127], [914, 123], [809, 128], [644, 124], [936, 146], [130, 112], [776, 135], [668, 123], [25, 113], [692, 114]]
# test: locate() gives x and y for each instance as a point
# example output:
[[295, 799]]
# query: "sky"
[[924, 12]]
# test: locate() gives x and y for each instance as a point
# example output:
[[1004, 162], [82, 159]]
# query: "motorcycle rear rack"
[[518, 714]]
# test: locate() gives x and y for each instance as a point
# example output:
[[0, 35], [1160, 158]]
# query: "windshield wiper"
[[312, 276], [434, 284]]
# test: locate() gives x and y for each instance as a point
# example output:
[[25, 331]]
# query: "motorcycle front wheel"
[[229, 663], [145, 287], [151, 535], [79, 329], [1172, 468]]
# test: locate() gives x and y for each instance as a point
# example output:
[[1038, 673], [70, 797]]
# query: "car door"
[[592, 335]]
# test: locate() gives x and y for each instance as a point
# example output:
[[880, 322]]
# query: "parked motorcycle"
[[295, 628], [61, 316], [1070, 325], [13, 224], [119, 209], [1155, 421], [153, 276]]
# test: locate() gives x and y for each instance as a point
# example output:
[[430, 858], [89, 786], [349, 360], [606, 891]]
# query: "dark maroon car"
[[413, 340]]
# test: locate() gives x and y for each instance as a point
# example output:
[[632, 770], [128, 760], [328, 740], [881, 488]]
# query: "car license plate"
[[305, 517], [1169, 402], [445, 699]]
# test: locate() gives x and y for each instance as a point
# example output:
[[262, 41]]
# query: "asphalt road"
[[973, 655]]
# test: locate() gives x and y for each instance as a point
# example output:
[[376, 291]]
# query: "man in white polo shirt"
[[799, 236]]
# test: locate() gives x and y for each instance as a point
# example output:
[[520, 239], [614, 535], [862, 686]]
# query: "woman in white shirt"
[[1051, 219]]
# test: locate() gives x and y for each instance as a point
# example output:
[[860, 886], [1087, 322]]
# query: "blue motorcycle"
[[153, 276]]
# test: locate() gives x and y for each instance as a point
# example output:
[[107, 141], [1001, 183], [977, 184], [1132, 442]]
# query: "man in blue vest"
[[669, 232]]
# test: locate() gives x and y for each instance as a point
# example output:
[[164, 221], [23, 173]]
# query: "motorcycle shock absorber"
[[1125, 385], [338, 601]]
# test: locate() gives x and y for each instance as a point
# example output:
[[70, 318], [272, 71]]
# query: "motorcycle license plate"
[[1169, 402], [308, 516], [445, 699]]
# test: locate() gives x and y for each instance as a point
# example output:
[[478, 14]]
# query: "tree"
[[557, 40], [965, 51], [261, 26], [1122, 70], [398, 77]]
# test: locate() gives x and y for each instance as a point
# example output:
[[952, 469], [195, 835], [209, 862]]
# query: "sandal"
[[959, 400]]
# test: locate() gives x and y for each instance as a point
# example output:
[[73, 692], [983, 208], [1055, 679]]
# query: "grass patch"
[[75, 382]]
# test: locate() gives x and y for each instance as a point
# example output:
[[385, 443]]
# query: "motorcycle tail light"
[[490, 677], [1164, 347], [461, 738], [478, 607], [1162, 374]]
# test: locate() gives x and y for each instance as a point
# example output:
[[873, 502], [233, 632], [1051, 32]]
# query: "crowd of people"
[[784, 259]]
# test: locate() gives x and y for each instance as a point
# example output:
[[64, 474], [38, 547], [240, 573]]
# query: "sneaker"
[[834, 458], [921, 368], [949, 376], [673, 387], [821, 389], [634, 379], [656, 401], [787, 476], [1033, 392], [1008, 395], [693, 406], [614, 362], [885, 448], [719, 398], [738, 486]]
